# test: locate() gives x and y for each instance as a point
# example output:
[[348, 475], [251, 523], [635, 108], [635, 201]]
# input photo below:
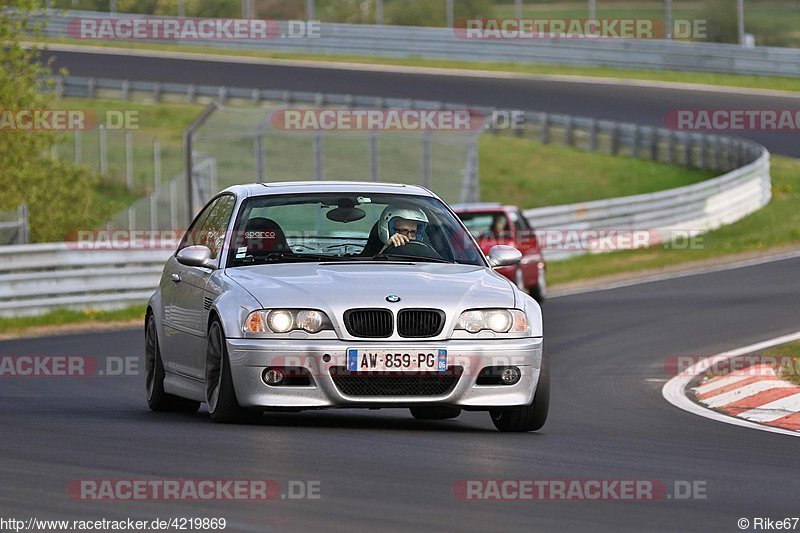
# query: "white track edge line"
[[674, 390]]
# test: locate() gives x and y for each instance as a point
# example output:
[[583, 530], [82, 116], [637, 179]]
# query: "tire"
[[539, 292], [157, 398], [529, 417], [220, 394], [435, 412]]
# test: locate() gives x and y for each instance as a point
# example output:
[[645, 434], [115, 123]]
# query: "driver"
[[400, 225]]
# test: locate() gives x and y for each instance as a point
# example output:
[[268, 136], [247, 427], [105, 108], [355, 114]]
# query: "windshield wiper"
[[404, 257], [287, 257]]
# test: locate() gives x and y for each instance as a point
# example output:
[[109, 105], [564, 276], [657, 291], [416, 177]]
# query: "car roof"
[[301, 187]]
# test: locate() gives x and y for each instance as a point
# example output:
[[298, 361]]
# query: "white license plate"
[[388, 360]]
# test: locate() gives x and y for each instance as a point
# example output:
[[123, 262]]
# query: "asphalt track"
[[642, 105], [385, 471]]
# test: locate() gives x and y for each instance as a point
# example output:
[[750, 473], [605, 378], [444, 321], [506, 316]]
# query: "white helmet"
[[388, 216]]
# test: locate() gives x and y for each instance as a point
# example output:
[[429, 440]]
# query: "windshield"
[[348, 227]]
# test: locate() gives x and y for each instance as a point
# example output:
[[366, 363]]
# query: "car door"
[[172, 298], [192, 299]]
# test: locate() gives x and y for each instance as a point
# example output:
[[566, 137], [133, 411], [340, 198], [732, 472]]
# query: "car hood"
[[336, 287]]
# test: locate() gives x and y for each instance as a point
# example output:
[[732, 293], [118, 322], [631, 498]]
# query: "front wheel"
[[529, 417], [220, 394], [157, 398]]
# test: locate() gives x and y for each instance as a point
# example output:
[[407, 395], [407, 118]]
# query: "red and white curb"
[[753, 397]]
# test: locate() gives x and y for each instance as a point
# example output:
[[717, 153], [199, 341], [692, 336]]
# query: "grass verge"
[[790, 371], [775, 225], [51, 321]]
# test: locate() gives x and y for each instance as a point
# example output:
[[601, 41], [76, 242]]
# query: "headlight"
[[286, 320], [497, 320]]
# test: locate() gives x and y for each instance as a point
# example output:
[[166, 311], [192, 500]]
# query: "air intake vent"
[[369, 323], [417, 323], [395, 383], [207, 302]]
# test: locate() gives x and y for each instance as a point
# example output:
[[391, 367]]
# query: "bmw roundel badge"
[[393, 298]]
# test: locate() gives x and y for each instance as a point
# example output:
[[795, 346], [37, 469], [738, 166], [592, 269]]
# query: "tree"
[[27, 172]]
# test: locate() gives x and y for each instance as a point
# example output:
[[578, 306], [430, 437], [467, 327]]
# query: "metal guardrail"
[[38, 278], [14, 226], [687, 211], [445, 43]]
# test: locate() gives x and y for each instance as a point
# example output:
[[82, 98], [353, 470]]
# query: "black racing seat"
[[262, 236]]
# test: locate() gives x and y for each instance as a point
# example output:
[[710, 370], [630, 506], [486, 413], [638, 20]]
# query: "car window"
[[215, 226], [190, 238], [346, 226]]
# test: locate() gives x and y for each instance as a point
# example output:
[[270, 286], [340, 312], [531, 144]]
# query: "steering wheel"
[[431, 250]]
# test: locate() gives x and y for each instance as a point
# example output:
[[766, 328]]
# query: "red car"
[[493, 224]]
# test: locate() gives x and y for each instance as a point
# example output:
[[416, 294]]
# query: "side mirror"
[[502, 255], [195, 256]]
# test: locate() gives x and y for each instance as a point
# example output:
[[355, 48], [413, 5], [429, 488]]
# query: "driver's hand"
[[398, 240]]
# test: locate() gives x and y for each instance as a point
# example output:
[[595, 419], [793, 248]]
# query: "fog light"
[[273, 376], [510, 375]]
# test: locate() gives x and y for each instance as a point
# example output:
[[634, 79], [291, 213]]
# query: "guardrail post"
[[545, 132], [703, 155], [717, 153], [654, 144], [90, 87], [671, 148], [593, 135], [568, 136], [687, 151], [190, 94], [255, 96], [636, 140], [156, 164], [222, 94], [126, 89], [615, 139], [131, 219], [157, 91]]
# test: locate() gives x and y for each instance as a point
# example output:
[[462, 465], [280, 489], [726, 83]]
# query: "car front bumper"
[[250, 357]]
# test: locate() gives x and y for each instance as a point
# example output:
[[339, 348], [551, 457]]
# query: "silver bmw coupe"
[[313, 295]]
